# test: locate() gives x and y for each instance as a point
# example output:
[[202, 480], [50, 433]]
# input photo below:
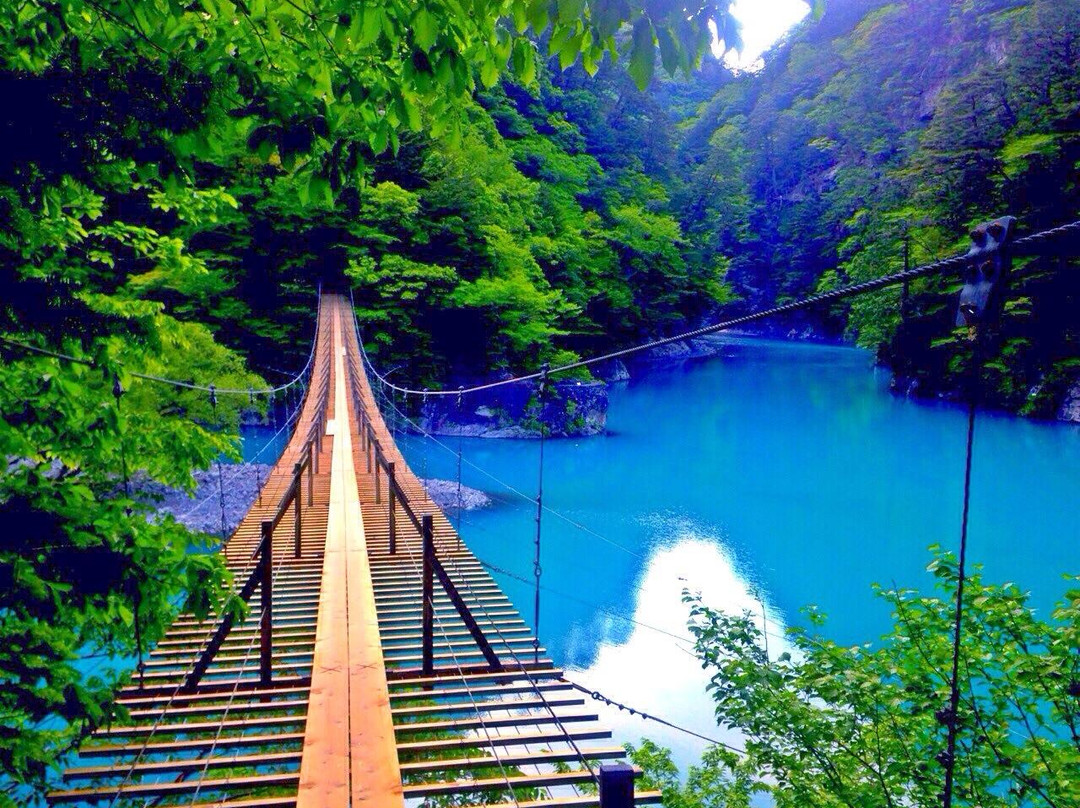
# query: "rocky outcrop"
[[1070, 405], [569, 409], [445, 494]]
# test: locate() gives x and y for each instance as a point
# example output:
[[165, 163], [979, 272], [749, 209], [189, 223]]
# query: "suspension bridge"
[[377, 662]]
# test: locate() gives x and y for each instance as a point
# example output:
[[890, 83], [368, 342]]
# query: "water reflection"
[[657, 672]]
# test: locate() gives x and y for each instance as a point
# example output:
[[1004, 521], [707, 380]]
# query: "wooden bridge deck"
[[343, 710]]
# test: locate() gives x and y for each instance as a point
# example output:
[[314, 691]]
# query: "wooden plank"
[[581, 801], [413, 677], [165, 789], [509, 739], [424, 790], [471, 706], [199, 726], [324, 768], [513, 759], [493, 690], [184, 765], [494, 722]]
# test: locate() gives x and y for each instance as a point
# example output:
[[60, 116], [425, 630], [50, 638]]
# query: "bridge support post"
[[266, 621], [616, 785], [428, 607], [298, 476], [390, 481], [311, 473], [378, 465]]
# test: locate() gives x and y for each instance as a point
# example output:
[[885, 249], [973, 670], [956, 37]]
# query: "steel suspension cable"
[[951, 716], [461, 672], [207, 388], [1030, 243], [524, 669], [572, 522]]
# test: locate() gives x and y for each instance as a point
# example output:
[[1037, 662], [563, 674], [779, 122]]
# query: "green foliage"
[[887, 128], [863, 725], [721, 780]]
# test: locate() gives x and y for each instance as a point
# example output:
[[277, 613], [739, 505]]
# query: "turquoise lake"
[[783, 468]]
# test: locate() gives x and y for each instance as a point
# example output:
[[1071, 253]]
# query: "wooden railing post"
[[315, 459], [311, 473], [378, 465], [298, 475], [390, 482], [369, 449], [616, 785], [266, 622], [428, 639]]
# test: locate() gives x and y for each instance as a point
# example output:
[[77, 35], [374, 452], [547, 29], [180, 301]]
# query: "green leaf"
[[570, 11], [538, 15], [642, 54], [670, 52], [425, 29]]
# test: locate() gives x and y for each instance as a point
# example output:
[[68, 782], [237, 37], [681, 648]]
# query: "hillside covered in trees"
[[891, 128]]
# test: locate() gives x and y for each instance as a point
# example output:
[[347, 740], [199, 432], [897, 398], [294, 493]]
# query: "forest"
[[519, 183]]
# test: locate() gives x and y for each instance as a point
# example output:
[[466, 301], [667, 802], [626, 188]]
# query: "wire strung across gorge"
[[1028, 243], [596, 695], [205, 388]]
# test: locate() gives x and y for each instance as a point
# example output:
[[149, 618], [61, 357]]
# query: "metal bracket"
[[987, 273]]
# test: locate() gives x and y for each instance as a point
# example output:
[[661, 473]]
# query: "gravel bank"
[[240, 483]]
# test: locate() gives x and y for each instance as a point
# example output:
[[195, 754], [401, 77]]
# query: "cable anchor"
[[987, 273]]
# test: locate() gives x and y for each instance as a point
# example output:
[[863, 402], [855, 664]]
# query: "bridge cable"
[[950, 717], [509, 647], [512, 489], [25, 346], [596, 695], [461, 672], [537, 571], [573, 523], [524, 669], [236, 687], [221, 485], [460, 504], [196, 653], [1032, 243]]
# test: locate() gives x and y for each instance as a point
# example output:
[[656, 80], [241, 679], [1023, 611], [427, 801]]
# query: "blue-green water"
[[786, 468]]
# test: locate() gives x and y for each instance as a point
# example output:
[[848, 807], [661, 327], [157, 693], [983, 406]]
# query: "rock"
[[613, 371], [570, 408], [202, 513], [672, 350], [1070, 405], [445, 495]]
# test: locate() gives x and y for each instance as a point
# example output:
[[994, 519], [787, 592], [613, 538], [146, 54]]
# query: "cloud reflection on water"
[[655, 672]]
